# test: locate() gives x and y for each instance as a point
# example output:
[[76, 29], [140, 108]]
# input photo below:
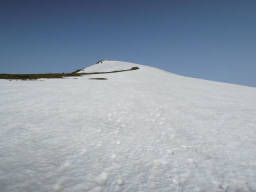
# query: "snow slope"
[[143, 130]]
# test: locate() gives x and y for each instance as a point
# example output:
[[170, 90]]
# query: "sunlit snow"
[[143, 130]]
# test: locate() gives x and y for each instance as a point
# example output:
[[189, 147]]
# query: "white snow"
[[143, 130], [108, 66], [102, 178]]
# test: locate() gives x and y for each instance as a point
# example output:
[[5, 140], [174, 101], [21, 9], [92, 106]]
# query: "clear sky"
[[209, 39]]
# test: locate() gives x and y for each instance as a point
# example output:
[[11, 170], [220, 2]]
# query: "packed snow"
[[144, 130]]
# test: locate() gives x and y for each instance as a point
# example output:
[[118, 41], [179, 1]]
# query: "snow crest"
[[108, 66]]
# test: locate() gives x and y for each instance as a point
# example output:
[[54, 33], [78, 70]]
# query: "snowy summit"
[[132, 130]]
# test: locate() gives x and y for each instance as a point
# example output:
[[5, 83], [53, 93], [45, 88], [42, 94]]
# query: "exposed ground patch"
[[98, 78], [57, 75]]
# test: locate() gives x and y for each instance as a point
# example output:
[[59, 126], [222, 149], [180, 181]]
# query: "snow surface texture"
[[143, 130]]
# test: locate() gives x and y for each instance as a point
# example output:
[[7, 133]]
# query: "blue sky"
[[209, 39]]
